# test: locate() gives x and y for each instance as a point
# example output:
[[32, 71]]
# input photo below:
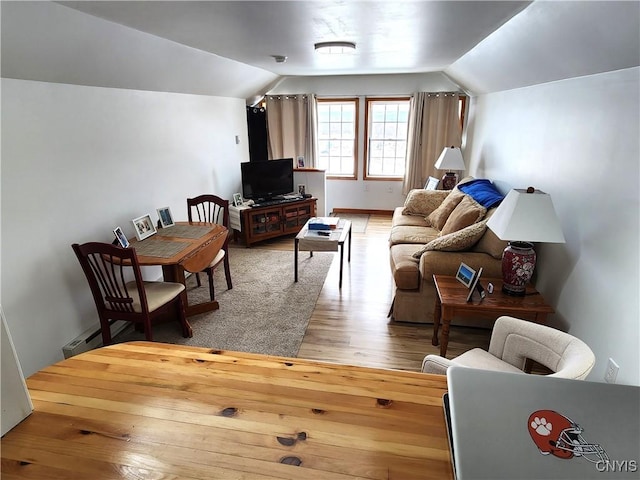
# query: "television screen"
[[264, 180]]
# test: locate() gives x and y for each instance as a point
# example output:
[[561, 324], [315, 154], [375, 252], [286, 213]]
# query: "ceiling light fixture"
[[335, 48]]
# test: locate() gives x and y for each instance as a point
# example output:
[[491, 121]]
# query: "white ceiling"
[[391, 36], [225, 48]]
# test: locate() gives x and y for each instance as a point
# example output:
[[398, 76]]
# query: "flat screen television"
[[267, 179]]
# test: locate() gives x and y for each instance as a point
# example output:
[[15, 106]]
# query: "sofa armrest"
[[446, 263], [435, 364]]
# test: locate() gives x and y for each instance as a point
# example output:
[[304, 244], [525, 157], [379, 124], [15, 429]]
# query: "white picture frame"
[[465, 274], [121, 237], [237, 200], [432, 183], [144, 227], [300, 162], [302, 189], [166, 219]]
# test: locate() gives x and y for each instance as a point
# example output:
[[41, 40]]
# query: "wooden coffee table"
[[452, 301]]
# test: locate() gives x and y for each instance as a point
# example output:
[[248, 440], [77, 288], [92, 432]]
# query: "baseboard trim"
[[363, 211]]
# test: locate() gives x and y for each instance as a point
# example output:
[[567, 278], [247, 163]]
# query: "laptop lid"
[[519, 426]]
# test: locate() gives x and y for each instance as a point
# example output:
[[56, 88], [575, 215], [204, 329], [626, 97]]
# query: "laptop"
[[518, 426]]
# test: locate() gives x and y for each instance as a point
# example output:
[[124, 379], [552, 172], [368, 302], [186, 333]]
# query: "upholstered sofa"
[[432, 233]]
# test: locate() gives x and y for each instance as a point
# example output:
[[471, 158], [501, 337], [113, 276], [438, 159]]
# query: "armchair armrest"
[[435, 364]]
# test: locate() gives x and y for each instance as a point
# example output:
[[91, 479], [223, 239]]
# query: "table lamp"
[[523, 217], [450, 159]]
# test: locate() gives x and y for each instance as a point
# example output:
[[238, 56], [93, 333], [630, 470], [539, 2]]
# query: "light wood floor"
[[351, 325]]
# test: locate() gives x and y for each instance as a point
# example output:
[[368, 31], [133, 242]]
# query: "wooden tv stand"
[[261, 223]]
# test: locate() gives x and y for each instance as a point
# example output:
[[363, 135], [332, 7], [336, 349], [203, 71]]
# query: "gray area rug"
[[265, 312], [359, 221]]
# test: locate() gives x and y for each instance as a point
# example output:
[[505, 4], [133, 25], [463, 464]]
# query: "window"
[[386, 137], [337, 136]]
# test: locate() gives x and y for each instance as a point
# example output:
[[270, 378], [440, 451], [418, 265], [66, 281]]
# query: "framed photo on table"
[[237, 199], [166, 219], [475, 285], [300, 162], [432, 183], [122, 239], [465, 274], [143, 226]]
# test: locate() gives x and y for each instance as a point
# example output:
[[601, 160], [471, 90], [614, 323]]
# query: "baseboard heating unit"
[[91, 339]]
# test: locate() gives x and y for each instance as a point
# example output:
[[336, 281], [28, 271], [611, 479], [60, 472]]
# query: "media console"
[[254, 224]]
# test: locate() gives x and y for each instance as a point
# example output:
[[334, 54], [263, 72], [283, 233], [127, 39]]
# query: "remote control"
[[324, 234]]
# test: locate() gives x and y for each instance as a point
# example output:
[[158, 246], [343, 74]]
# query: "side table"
[[310, 240], [451, 301]]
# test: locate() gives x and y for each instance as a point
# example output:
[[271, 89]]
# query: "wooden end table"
[[451, 301]]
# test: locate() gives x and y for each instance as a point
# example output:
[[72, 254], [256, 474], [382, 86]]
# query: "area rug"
[[359, 221], [265, 311]]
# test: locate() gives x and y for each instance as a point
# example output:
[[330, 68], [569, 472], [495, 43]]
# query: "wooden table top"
[[214, 238], [152, 410], [454, 293]]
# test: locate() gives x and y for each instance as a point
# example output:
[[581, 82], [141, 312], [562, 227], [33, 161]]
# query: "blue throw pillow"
[[482, 191]]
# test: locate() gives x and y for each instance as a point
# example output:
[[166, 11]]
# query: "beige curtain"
[[434, 123], [291, 127]]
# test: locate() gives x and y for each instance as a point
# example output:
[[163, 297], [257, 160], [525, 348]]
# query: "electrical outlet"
[[612, 371], [389, 189]]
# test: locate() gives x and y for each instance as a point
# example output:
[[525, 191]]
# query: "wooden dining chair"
[[213, 209], [120, 293]]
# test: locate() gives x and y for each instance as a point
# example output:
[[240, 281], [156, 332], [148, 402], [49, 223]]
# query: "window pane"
[[337, 131], [386, 137]]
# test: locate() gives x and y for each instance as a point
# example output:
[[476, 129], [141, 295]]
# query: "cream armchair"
[[513, 341]]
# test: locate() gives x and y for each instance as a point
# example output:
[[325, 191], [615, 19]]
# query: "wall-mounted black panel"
[[257, 126]]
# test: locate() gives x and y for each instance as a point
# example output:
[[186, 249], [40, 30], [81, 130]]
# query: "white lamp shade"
[[450, 159], [527, 217]]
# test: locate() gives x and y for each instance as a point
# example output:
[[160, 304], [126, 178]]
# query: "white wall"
[[578, 141], [360, 194], [79, 161]]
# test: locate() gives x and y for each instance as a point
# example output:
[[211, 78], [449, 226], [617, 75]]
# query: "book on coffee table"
[[323, 223]]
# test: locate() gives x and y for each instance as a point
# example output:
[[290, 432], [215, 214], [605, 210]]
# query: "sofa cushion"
[[405, 268], [489, 243], [466, 213], [408, 220], [455, 241], [439, 216], [423, 202], [412, 234]]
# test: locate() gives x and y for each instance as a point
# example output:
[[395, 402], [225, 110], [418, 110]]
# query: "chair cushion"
[[478, 358], [218, 258], [466, 213], [158, 294], [439, 216]]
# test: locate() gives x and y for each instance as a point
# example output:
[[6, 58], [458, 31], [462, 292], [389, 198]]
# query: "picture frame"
[[465, 274], [144, 227], [474, 286], [302, 189], [300, 162], [166, 219], [432, 183], [237, 200], [121, 237]]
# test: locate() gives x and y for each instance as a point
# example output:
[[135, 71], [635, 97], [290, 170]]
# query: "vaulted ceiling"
[[227, 48]]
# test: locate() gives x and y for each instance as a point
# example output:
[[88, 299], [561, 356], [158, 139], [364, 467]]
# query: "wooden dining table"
[[183, 247], [152, 410]]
